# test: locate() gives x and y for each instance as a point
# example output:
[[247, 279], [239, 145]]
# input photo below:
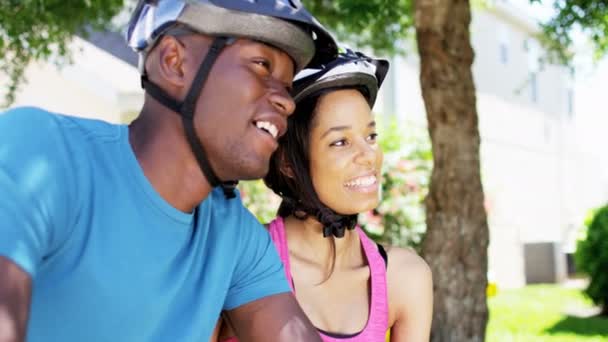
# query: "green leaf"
[[36, 30]]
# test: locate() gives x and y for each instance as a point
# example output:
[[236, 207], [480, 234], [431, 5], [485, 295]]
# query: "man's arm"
[[15, 295], [273, 318]]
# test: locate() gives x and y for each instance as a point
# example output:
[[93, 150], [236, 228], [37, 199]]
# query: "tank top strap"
[[276, 229], [378, 314]]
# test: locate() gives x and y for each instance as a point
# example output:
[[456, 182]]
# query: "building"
[[539, 173], [102, 82]]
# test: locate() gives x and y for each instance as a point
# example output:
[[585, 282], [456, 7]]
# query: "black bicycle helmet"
[[349, 69]]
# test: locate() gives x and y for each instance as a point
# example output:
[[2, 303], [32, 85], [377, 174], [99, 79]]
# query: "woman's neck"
[[306, 241]]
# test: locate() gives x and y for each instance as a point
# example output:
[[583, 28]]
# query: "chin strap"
[[186, 110], [338, 228]]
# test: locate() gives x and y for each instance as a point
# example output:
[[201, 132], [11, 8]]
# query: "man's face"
[[243, 108]]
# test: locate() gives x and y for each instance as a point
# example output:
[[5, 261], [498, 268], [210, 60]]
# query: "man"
[[115, 233]]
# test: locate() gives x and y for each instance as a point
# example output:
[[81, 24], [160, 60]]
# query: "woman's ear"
[[285, 166]]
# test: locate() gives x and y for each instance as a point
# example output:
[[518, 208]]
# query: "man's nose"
[[281, 100]]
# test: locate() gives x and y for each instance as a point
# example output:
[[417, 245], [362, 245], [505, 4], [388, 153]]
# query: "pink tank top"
[[377, 322]]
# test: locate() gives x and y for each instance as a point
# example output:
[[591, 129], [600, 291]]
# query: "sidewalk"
[[578, 311]]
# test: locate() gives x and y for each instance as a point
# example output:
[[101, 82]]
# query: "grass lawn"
[[538, 313]]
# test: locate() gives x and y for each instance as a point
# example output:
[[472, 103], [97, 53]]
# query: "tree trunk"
[[456, 241]]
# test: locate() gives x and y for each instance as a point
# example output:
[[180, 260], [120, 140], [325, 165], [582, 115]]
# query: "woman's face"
[[345, 159]]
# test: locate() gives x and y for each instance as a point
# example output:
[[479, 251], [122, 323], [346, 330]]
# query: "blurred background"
[[542, 123]]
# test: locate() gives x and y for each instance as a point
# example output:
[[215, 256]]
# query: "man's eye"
[[263, 63]]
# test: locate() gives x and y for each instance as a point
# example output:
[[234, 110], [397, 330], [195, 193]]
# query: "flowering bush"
[[400, 218], [259, 199]]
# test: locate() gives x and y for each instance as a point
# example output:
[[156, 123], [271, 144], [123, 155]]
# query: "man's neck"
[[160, 146]]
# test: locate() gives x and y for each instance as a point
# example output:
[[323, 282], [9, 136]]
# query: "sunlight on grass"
[[538, 313]]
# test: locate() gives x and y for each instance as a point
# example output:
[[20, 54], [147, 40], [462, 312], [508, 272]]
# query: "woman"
[[327, 170]]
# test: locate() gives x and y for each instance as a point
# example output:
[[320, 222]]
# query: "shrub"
[[591, 256], [260, 200]]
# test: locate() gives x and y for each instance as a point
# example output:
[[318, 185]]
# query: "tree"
[[457, 230], [379, 24], [33, 30], [456, 240], [588, 17]]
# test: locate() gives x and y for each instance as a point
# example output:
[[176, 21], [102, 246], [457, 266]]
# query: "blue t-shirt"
[[109, 258]]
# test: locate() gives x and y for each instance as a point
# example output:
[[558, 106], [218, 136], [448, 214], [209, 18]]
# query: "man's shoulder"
[[28, 119], [63, 147], [39, 124]]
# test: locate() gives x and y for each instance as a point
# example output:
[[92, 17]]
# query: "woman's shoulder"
[[406, 259], [407, 269], [410, 282]]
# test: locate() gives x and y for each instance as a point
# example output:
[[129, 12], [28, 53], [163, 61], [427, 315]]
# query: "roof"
[[113, 43]]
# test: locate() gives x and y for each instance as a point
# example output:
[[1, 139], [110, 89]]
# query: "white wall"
[[542, 164], [96, 85]]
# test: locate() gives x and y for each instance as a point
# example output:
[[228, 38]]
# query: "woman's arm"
[[410, 291]]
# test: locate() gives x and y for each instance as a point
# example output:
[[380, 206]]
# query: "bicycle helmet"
[[284, 24], [349, 69]]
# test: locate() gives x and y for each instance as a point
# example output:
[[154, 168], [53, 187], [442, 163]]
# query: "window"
[[534, 51], [533, 83], [570, 103], [504, 53], [503, 43]]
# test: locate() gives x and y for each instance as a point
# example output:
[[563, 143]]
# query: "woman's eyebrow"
[[335, 129], [343, 128]]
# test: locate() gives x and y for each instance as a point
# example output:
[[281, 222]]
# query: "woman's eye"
[[372, 137], [338, 143]]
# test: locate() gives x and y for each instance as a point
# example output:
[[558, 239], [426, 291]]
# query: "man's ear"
[[167, 62]]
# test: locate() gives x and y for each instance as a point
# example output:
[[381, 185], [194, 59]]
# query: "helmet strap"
[[186, 110]]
